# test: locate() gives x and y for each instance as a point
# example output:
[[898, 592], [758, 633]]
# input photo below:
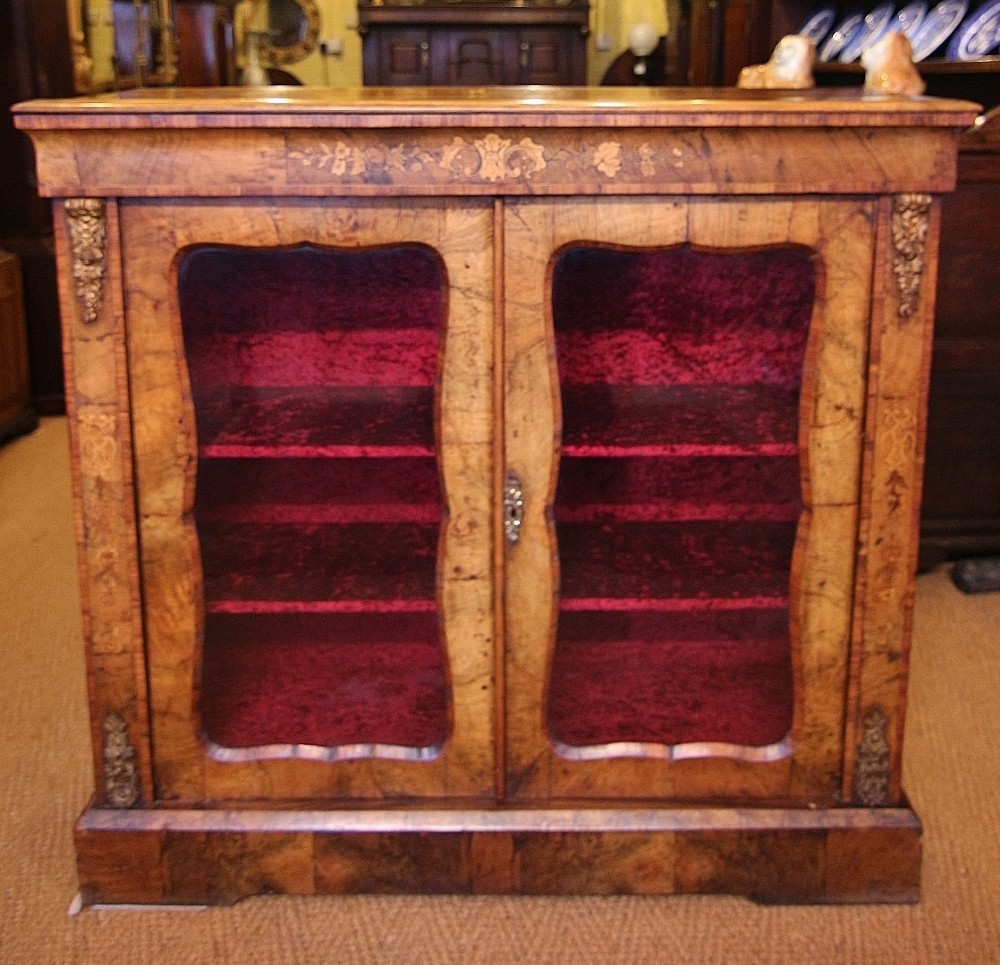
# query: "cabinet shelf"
[[305, 422], [675, 560], [663, 487], [359, 561], [678, 420], [262, 485]]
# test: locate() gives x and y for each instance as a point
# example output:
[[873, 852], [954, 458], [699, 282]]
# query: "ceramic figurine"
[[889, 66], [790, 66]]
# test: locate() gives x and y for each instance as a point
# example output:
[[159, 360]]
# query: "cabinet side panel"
[[88, 247], [905, 278]]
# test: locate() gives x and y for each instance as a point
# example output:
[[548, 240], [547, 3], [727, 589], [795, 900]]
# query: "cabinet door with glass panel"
[[685, 389], [313, 399]]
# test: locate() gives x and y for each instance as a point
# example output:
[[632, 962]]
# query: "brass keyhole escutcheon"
[[513, 508]]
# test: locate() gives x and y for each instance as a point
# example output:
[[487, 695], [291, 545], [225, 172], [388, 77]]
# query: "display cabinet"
[[471, 44], [488, 494]]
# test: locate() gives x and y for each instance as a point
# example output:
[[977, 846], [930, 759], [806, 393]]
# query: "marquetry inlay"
[[494, 158]]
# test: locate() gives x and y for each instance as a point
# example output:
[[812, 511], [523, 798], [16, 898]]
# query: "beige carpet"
[[952, 771]]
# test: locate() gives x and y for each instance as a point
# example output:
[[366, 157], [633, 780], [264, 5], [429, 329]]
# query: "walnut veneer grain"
[[496, 181]]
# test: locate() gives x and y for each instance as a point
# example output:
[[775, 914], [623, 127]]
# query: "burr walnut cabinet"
[[497, 491]]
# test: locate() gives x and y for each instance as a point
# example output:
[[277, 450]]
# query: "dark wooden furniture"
[[710, 41], [35, 61], [473, 44], [205, 52], [16, 412], [961, 510], [497, 494], [184, 43]]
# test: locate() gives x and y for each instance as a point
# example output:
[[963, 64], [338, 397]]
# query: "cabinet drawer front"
[[312, 406], [679, 601]]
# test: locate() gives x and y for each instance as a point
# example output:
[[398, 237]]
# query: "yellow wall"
[[100, 33], [338, 19], [611, 18]]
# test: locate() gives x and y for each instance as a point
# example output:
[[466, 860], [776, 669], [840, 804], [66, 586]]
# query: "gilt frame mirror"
[[292, 28], [152, 59]]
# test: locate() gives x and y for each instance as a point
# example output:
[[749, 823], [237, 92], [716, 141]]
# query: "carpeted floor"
[[952, 776]]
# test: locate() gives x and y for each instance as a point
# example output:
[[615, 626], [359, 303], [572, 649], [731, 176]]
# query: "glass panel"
[[318, 504], [679, 493]]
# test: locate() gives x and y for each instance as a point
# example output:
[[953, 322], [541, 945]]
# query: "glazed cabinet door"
[[685, 389], [311, 392]]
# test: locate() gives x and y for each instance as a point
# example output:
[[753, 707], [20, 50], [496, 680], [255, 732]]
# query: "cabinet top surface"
[[489, 106]]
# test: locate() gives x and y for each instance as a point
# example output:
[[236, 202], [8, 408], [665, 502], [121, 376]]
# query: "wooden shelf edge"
[[770, 855]]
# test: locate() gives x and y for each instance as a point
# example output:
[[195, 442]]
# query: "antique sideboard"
[[497, 490]]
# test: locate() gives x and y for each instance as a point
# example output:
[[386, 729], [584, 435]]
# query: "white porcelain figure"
[[790, 66]]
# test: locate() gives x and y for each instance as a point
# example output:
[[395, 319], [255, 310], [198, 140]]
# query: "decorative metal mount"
[[121, 780], [910, 217], [88, 231], [871, 771], [513, 508]]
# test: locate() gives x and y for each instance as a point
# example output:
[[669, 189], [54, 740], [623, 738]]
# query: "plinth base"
[[771, 855]]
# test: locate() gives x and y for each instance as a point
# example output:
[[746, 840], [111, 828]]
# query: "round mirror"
[[292, 30]]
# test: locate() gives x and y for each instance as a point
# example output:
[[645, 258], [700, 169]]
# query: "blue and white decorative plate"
[[846, 29], [817, 25], [978, 34], [908, 18], [938, 26], [873, 27]]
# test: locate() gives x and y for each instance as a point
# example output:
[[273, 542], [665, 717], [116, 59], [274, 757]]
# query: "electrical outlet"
[[602, 43], [332, 46]]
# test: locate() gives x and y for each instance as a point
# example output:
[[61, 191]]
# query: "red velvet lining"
[[298, 678], [678, 494], [318, 506], [319, 420]]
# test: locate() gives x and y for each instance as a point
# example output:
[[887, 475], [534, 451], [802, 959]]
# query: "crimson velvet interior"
[[318, 502], [679, 492]]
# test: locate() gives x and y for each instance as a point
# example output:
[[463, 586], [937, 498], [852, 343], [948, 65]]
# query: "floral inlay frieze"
[[491, 159], [494, 158]]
